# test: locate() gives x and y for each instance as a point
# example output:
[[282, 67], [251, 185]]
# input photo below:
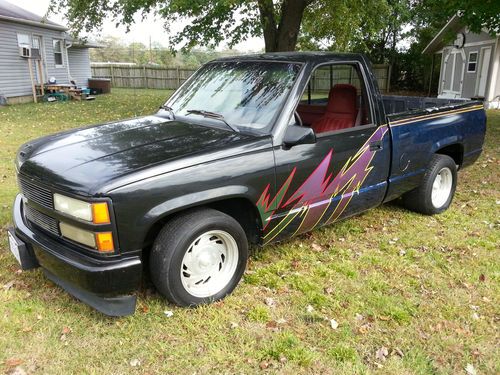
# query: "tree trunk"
[[283, 37]]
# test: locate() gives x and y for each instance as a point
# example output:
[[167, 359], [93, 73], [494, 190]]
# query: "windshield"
[[248, 94]]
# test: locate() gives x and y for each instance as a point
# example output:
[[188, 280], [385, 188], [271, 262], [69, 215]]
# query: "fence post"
[[388, 82], [145, 76], [178, 77], [112, 76]]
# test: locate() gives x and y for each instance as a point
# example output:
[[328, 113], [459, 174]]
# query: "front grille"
[[35, 193], [41, 220]]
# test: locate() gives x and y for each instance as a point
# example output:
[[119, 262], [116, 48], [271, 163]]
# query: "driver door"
[[345, 171]]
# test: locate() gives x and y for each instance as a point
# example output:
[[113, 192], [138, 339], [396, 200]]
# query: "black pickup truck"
[[250, 149]]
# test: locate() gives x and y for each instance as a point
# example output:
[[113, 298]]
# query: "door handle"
[[376, 146]]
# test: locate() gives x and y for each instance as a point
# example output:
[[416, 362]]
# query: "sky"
[[141, 31]]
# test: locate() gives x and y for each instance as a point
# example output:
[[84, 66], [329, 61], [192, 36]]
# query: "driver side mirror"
[[298, 135]]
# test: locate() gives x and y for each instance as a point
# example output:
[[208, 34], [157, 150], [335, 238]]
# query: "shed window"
[[23, 40], [471, 66], [58, 56]]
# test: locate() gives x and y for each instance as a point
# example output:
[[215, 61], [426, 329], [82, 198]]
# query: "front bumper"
[[105, 284]]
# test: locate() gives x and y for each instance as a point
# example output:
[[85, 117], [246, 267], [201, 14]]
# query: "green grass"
[[419, 302]]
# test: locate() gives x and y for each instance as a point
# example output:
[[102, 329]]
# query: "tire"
[[422, 199], [198, 257]]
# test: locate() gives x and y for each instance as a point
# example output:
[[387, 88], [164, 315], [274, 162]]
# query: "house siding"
[[15, 78], [14, 70], [79, 65]]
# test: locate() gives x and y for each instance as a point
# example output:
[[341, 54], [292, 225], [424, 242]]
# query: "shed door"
[[453, 73], [483, 73]]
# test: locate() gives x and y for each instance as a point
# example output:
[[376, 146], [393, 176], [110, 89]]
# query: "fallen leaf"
[[334, 324], [272, 325], [359, 317], [482, 278], [283, 359], [382, 353], [309, 308], [9, 285], [270, 302], [233, 325], [398, 351], [27, 329], [66, 330], [328, 290], [384, 318], [364, 328], [168, 313], [475, 316], [470, 370], [264, 365], [135, 362], [281, 321], [13, 362], [316, 247]]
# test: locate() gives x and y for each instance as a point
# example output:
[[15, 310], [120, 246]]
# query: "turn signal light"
[[104, 241], [100, 213]]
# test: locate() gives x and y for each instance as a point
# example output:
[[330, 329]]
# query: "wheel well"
[[240, 209], [455, 151]]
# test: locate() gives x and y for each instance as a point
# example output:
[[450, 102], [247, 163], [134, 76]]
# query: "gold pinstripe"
[[434, 115]]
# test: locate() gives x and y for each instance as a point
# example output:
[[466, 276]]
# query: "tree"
[[334, 24]]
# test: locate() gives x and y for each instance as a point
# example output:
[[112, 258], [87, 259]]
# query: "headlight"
[[97, 213]]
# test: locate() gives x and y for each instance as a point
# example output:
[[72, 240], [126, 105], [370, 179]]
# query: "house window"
[[471, 66], [23, 40], [58, 52]]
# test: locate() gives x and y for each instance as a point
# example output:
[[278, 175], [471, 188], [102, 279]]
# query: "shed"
[[24, 35], [470, 63]]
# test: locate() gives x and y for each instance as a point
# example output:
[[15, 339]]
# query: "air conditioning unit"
[[25, 51]]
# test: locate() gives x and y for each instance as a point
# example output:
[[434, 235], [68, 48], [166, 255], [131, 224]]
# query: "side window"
[[335, 99], [471, 66], [58, 56], [23, 40]]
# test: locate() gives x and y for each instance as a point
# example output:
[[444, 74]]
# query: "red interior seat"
[[341, 110]]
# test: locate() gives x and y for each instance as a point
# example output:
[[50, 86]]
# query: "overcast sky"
[[141, 31]]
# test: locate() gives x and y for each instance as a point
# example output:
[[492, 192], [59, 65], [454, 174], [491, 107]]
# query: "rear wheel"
[[436, 192], [198, 257]]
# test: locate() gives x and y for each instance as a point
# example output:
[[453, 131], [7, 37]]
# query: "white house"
[[470, 65], [23, 33]]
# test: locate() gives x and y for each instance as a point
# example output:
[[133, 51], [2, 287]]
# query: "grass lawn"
[[411, 294]]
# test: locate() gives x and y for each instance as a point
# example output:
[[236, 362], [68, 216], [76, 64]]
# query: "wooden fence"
[[171, 78]]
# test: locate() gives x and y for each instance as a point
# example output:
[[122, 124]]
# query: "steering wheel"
[[297, 118]]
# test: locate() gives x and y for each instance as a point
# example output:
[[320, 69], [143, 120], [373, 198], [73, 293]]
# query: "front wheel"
[[198, 257], [436, 192]]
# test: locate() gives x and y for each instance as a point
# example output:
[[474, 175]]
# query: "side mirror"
[[298, 135]]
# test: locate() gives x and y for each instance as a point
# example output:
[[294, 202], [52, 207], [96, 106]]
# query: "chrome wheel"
[[441, 187], [209, 263]]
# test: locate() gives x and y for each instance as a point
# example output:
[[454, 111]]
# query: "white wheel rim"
[[441, 187], [209, 263]]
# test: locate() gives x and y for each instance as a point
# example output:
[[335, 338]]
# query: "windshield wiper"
[[169, 109], [213, 115]]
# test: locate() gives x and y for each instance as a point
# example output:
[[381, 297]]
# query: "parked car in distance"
[[251, 149]]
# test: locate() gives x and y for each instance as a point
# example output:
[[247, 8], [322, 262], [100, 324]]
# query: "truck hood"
[[83, 160]]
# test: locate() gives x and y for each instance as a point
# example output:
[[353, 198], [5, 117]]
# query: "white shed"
[[470, 64]]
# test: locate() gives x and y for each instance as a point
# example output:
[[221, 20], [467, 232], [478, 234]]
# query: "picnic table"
[[60, 91]]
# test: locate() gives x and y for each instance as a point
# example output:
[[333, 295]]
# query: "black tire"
[[175, 239], [420, 199]]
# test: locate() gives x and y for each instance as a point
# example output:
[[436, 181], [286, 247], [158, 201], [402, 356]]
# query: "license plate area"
[[21, 251]]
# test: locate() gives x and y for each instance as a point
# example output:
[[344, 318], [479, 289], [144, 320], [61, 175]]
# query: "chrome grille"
[[36, 193], [41, 220]]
